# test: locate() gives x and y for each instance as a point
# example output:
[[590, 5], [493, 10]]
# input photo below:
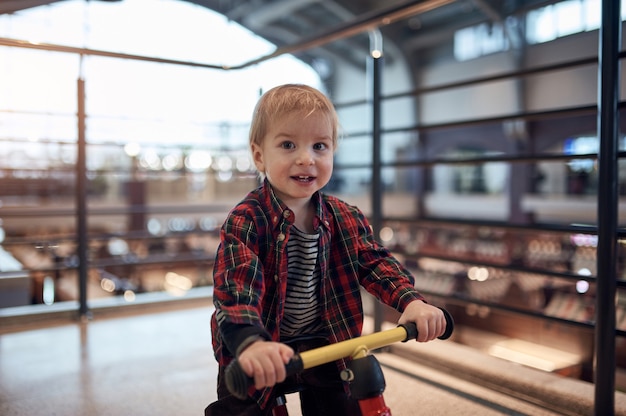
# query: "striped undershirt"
[[302, 311]]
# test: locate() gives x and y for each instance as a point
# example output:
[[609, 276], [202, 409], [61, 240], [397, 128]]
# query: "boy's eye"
[[320, 146], [287, 145]]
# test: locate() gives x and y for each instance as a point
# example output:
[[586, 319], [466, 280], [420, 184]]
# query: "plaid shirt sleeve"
[[238, 281], [381, 273], [378, 271]]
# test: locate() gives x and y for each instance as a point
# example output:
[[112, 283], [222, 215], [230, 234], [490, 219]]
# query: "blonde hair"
[[286, 99]]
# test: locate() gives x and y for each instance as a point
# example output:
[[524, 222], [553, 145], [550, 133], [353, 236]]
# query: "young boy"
[[291, 262]]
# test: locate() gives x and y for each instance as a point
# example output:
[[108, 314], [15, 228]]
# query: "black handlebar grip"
[[295, 365], [238, 382], [449, 325], [411, 328]]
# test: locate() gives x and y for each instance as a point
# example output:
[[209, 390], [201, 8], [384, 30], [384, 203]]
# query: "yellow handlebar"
[[354, 348]]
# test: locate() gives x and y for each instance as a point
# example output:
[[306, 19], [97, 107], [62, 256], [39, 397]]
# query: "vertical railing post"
[[608, 130], [81, 202], [377, 191]]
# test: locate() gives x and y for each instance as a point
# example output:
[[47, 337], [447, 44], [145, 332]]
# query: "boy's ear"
[[257, 157]]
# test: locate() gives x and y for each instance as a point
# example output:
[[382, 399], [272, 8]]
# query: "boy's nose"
[[305, 158]]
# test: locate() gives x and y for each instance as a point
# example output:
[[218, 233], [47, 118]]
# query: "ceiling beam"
[[12, 6], [270, 12]]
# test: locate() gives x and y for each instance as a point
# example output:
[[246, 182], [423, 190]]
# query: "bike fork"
[[374, 406], [367, 384], [280, 407]]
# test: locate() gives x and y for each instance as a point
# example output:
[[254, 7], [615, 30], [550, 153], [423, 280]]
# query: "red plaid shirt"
[[250, 272]]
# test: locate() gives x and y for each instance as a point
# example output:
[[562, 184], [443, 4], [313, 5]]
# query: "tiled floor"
[[162, 364], [157, 364]]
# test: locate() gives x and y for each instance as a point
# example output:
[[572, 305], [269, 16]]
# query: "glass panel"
[[400, 147], [474, 263], [400, 192], [354, 186], [354, 150]]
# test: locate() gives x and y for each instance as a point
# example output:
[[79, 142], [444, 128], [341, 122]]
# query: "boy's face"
[[296, 155]]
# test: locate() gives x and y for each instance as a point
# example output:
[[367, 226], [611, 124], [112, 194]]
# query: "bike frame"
[[367, 382]]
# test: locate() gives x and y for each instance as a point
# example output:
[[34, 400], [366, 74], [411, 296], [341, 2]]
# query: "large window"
[[128, 100], [166, 143], [541, 25]]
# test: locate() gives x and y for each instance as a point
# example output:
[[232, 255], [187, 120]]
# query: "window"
[[563, 19], [476, 41], [542, 25], [128, 100]]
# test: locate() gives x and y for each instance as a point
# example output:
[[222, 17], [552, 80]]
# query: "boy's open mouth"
[[303, 178]]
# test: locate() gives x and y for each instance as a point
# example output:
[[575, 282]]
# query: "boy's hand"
[[265, 362], [430, 320]]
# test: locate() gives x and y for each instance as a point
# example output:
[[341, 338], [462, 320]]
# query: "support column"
[[81, 202], [608, 131]]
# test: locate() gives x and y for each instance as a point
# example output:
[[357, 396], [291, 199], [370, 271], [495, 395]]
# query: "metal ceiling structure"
[[413, 28], [327, 33]]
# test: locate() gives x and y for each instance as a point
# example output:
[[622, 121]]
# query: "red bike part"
[[374, 406], [280, 409]]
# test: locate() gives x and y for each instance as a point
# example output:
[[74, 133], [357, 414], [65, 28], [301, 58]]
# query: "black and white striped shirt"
[[302, 311]]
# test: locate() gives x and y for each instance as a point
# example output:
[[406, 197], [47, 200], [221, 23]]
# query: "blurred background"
[[471, 144]]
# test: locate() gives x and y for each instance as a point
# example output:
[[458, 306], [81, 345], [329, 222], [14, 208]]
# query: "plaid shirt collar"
[[278, 209]]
